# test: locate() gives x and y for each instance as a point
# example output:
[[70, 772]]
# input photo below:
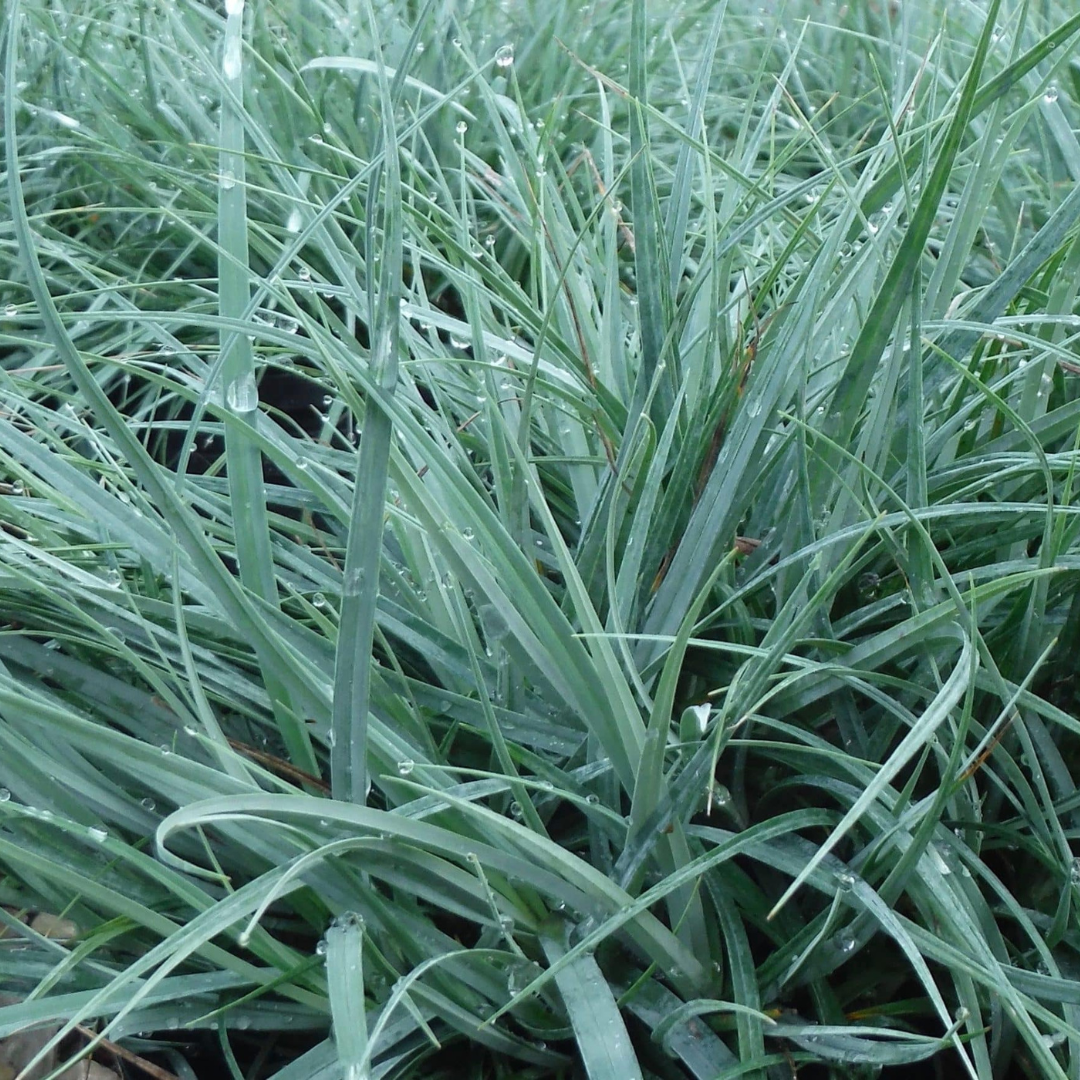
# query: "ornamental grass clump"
[[539, 541]]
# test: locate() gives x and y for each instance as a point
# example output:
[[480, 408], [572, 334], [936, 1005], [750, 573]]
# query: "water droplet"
[[1074, 872], [1051, 95], [304, 274], [321, 948], [869, 584], [242, 395], [468, 533], [349, 920], [845, 882], [4, 794], [227, 180], [98, 834], [461, 127], [113, 579], [319, 600], [504, 56], [962, 1014], [11, 311], [506, 923], [148, 804], [405, 767], [845, 942], [938, 856], [592, 799], [516, 811]]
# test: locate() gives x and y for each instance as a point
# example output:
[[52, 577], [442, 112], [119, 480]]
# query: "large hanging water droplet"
[[242, 395], [504, 56]]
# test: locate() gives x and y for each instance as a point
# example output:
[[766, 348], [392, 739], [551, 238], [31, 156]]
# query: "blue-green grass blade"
[[353, 661], [603, 1042], [345, 988]]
